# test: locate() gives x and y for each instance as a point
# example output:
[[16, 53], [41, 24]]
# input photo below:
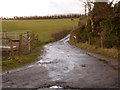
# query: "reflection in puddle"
[[45, 62], [55, 87]]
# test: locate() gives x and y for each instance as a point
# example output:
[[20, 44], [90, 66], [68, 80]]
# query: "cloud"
[[11, 8], [66, 6]]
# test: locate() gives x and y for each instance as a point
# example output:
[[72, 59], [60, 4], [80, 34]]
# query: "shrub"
[[60, 34]]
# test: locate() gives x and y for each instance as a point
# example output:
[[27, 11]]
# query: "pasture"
[[44, 28]]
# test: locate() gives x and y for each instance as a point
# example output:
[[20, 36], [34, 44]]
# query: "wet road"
[[63, 65]]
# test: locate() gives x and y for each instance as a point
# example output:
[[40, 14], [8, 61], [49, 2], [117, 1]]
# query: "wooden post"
[[33, 36], [3, 34], [15, 35], [37, 37], [20, 44], [101, 41], [6, 35], [31, 40], [28, 38], [11, 49]]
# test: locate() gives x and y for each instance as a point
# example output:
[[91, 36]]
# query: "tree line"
[[44, 17]]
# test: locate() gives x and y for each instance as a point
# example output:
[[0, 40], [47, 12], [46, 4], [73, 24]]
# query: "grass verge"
[[113, 53], [21, 60]]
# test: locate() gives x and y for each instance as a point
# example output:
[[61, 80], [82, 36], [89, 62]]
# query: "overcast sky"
[[10, 8]]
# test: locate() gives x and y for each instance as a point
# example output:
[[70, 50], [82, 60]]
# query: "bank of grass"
[[47, 30], [113, 53], [21, 60]]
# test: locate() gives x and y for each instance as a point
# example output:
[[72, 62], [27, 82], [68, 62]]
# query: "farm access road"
[[64, 66]]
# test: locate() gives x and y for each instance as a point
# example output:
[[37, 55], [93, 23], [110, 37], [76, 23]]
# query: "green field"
[[44, 28]]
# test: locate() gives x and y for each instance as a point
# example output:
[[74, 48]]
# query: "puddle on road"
[[55, 87], [45, 62], [52, 88]]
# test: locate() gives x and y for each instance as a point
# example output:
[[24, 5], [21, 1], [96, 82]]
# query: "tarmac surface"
[[64, 66]]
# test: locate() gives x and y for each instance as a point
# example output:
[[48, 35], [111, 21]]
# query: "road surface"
[[63, 66]]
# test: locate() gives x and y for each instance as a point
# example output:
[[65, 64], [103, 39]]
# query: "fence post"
[[3, 35], [32, 36], [6, 35], [11, 49], [20, 43], [37, 37], [101, 37], [29, 38]]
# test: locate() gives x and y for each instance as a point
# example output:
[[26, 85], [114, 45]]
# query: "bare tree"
[[88, 6]]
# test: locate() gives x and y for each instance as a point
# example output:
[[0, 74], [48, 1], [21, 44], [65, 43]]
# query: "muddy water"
[[64, 66]]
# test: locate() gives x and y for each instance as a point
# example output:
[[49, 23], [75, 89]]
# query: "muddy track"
[[65, 66]]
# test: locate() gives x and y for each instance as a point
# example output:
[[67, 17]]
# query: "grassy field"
[[44, 28]]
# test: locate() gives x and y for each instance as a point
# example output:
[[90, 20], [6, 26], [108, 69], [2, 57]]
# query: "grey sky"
[[10, 8]]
